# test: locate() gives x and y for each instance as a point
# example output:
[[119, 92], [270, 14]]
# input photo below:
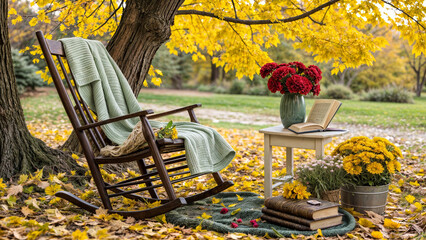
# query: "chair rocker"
[[92, 140]]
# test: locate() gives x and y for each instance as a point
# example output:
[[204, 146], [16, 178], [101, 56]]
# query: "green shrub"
[[205, 88], [237, 87], [337, 92], [220, 90], [258, 90], [25, 72], [390, 94]]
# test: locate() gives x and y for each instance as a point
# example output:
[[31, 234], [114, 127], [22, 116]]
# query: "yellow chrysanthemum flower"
[[295, 190], [375, 168], [391, 167]]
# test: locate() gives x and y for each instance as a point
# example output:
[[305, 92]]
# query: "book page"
[[319, 112]]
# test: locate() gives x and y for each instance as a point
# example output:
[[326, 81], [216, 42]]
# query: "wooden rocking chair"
[[87, 132]]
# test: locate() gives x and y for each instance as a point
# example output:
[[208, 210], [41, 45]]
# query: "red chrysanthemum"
[[281, 72], [298, 84], [316, 68], [274, 85], [314, 73], [316, 90], [300, 66], [267, 69]]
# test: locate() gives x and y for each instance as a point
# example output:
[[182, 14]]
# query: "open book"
[[319, 118]]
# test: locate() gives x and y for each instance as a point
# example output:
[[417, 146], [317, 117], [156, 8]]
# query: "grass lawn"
[[352, 111], [49, 107]]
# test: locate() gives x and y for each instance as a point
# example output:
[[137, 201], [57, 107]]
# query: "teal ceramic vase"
[[292, 109]]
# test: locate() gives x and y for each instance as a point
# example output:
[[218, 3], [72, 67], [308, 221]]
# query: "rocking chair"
[[153, 176]]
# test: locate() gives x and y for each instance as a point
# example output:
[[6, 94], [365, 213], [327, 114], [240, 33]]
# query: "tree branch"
[[235, 10], [112, 14], [257, 22], [304, 11], [406, 14]]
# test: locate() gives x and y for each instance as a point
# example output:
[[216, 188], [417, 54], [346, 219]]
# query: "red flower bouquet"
[[292, 77]]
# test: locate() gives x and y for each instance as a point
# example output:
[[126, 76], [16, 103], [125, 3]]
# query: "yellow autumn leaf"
[[75, 156], [33, 22], [215, 200], [366, 223], [52, 189], [79, 235], [17, 19], [204, 216], [12, 11], [239, 198], [410, 198], [235, 211], [102, 233], [156, 81], [137, 227], [232, 205]]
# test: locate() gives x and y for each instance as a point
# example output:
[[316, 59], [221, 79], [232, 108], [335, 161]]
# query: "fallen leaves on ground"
[[29, 209]]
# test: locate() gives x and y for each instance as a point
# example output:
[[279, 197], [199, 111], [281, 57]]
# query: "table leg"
[[267, 159], [289, 162], [319, 149]]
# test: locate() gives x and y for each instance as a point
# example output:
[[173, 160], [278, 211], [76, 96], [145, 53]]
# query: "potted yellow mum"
[[370, 164]]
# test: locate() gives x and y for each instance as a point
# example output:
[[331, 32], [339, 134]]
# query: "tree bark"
[[19, 151], [144, 26]]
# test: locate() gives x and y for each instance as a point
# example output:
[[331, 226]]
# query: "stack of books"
[[305, 215]]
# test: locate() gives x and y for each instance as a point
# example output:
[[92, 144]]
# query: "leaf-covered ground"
[[29, 209]]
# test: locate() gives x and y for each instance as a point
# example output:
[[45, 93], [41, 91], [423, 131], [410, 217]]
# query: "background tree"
[[418, 66], [240, 29], [19, 151], [25, 72]]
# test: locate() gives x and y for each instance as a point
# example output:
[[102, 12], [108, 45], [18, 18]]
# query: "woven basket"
[[332, 196]]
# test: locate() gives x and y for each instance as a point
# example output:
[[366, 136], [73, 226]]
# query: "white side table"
[[278, 136]]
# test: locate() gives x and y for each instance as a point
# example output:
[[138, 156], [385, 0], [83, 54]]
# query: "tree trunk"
[[19, 151], [144, 26], [215, 73], [177, 81]]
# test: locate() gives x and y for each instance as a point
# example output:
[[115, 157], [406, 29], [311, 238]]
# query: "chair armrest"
[[97, 124], [177, 110]]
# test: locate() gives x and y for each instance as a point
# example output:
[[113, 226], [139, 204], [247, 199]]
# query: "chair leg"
[[100, 184], [158, 159], [142, 168], [218, 178]]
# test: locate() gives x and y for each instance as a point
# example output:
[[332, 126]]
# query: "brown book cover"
[[303, 208], [284, 223], [311, 224]]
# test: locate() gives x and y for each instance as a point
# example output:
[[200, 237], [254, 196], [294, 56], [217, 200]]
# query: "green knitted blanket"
[[250, 208], [104, 88]]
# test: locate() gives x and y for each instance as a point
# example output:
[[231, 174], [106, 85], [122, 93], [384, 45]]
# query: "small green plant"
[[322, 175], [169, 131], [390, 94], [337, 92]]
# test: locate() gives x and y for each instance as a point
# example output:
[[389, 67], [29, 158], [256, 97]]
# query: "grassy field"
[[352, 111], [48, 107]]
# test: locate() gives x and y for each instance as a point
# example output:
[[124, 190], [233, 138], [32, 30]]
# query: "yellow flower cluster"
[[375, 156], [295, 190]]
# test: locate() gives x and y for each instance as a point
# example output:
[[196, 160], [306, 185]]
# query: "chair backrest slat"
[[55, 48], [78, 103]]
